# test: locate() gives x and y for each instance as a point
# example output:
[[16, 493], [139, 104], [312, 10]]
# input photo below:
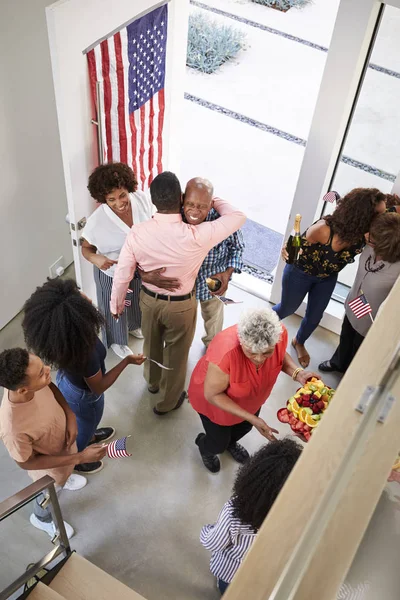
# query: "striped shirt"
[[226, 254], [228, 540]]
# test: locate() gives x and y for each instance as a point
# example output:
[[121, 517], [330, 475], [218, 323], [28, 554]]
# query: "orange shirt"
[[248, 387], [36, 427]]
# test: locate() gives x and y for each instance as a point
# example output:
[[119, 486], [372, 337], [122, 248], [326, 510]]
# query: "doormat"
[[262, 251]]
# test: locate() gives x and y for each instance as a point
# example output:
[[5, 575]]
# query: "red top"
[[248, 387]]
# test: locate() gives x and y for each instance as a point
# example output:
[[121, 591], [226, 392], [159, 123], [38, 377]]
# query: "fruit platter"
[[305, 409]]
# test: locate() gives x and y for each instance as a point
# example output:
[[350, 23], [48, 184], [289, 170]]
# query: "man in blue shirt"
[[222, 260]]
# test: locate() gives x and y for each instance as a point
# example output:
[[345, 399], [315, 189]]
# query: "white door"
[[74, 26]]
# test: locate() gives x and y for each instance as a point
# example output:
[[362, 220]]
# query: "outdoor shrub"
[[283, 3], [210, 44]]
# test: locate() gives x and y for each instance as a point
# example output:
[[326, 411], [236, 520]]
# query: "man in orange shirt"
[[39, 429], [169, 321]]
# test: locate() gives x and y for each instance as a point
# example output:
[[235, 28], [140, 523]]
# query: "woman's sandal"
[[302, 354]]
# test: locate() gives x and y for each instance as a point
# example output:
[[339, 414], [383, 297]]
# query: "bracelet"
[[296, 372]]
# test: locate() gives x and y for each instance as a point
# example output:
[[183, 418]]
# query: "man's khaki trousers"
[[168, 329], [212, 312]]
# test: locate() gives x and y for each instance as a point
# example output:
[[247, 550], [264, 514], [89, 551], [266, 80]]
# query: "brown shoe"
[[178, 405]]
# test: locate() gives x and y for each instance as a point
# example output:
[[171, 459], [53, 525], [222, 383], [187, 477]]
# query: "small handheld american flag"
[[331, 197], [117, 449], [360, 306]]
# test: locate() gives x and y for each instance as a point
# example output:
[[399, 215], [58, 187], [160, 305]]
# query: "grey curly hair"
[[259, 329]]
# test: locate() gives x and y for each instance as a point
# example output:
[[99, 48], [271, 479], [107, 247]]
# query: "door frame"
[[73, 26]]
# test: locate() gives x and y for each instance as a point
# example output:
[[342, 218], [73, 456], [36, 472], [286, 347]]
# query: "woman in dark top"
[[61, 325], [327, 247]]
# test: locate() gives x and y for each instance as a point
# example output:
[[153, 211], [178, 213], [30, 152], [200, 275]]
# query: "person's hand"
[[264, 429], [92, 453], [303, 376], [284, 252], [103, 263], [136, 359], [116, 316], [157, 279], [71, 431], [224, 279]]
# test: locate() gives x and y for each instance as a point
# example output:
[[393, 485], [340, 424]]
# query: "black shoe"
[[178, 405], [238, 453], [153, 390], [327, 367], [91, 468], [103, 434], [210, 461]]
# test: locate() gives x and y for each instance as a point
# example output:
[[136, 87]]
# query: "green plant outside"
[[211, 44], [283, 4]]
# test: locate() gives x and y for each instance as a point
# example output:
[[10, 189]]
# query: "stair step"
[[79, 579], [42, 592]]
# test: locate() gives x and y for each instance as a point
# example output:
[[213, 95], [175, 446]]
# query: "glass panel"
[[21, 544], [371, 152]]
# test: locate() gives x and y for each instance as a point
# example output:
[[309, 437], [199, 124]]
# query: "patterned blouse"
[[321, 260]]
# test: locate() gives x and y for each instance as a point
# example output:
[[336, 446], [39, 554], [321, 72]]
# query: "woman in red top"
[[234, 379]]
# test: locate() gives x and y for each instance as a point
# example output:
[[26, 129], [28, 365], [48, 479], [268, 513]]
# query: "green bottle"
[[294, 242]]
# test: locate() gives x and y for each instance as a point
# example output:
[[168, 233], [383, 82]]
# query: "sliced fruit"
[[324, 390], [291, 400], [316, 417], [317, 395], [310, 421], [289, 408], [303, 414], [313, 379], [312, 387], [283, 415], [325, 397], [326, 405], [299, 426], [297, 395], [295, 406], [308, 411], [307, 436]]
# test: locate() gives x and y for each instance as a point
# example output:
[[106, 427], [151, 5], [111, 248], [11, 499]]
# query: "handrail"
[[15, 502]]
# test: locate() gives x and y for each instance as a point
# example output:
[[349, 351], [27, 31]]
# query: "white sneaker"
[[75, 482], [137, 333], [50, 528], [121, 351]]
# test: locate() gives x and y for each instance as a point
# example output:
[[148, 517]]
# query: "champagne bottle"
[[294, 242], [213, 283]]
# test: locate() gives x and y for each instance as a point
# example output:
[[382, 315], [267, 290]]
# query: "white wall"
[[33, 232]]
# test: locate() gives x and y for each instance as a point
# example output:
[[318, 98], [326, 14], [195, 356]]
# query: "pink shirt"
[[166, 241]]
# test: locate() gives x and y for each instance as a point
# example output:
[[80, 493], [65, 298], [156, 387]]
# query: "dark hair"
[[13, 366], [385, 233], [166, 192], [260, 480], [354, 213], [392, 200], [107, 178], [61, 325]]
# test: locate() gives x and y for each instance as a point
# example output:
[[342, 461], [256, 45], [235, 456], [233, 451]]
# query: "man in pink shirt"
[[169, 321]]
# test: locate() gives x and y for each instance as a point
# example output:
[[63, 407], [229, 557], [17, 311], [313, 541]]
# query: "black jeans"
[[219, 437], [350, 341]]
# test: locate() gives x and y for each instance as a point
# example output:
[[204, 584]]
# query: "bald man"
[[169, 319]]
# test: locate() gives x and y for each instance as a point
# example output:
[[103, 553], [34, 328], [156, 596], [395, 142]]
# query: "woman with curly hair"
[[327, 247], [61, 326], [114, 187], [233, 380], [256, 488], [378, 271]]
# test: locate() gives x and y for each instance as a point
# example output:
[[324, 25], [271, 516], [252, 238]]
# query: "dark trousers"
[[219, 437], [350, 341], [295, 286], [222, 586]]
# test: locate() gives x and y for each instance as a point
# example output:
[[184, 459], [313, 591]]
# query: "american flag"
[[331, 197], [117, 449], [360, 306], [130, 65]]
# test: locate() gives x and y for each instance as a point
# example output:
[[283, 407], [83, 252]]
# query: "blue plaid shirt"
[[226, 254]]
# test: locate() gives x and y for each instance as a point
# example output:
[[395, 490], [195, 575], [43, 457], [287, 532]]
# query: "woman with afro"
[[256, 488], [61, 326], [121, 205], [327, 247]]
